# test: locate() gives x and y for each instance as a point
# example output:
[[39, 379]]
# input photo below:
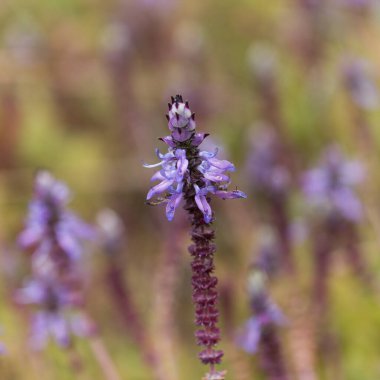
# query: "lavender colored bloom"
[[56, 315], [193, 175], [360, 84], [175, 165], [50, 226], [54, 235], [330, 187]]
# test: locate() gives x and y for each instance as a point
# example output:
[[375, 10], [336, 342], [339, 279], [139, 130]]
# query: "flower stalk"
[[193, 175]]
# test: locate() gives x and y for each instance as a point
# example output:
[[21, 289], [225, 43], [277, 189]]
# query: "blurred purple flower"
[[49, 223], [57, 315], [330, 187], [360, 84], [54, 235], [265, 314]]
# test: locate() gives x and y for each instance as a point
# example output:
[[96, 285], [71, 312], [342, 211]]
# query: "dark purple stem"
[[271, 356], [204, 283]]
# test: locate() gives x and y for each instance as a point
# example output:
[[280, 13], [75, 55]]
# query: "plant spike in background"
[[190, 174], [54, 235]]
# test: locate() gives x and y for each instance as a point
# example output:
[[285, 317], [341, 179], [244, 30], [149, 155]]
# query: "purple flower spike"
[[193, 176], [175, 165], [49, 224], [330, 188], [54, 235]]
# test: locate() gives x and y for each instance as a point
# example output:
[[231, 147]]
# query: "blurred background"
[[84, 86]]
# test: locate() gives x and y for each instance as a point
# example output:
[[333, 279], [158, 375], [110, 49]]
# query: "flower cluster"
[[54, 235], [210, 175], [330, 187]]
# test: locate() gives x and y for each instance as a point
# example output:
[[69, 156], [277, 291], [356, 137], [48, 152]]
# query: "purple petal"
[[208, 155], [222, 164], [152, 165], [182, 163], [181, 134], [172, 205], [203, 205], [158, 177], [348, 204], [31, 236], [68, 243], [169, 141], [161, 187], [230, 194], [33, 292], [216, 177], [198, 138]]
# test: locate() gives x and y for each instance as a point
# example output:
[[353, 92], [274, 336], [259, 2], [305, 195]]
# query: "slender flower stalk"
[[192, 175]]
